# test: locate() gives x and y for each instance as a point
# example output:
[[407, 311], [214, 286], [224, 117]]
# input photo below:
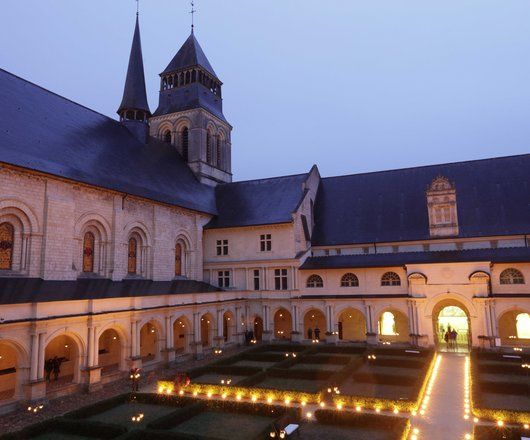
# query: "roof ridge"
[[426, 166], [265, 179], [57, 95]]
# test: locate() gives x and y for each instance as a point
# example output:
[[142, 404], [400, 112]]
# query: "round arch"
[[14, 362], [229, 326], [207, 329], [393, 325], [20, 209], [110, 352], [450, 314], [257, 326], [514, 327], [283, 323], [315, 324], [150, 340], [352, 325], [63, 356], [182, 330]]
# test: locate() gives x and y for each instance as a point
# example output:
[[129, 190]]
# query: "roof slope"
[[134, 92], [46, 132], [500, 255], [258, 202], [493, 198], [190, 54]]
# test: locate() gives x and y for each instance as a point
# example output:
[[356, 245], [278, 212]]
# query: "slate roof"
[[499, 255], [28, 290], [493, 198], [189, 55], [258, 202], [134, 92], [42, 131]]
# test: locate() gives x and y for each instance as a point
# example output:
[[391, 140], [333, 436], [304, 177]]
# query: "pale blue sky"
[[349, 85]]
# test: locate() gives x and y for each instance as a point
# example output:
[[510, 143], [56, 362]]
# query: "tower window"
[[178, 259], [7, 238], [167, 136], [132, 256], [208, 148], [185, 144], [219, 152]]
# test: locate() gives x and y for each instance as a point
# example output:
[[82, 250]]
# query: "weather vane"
[[192, 12]]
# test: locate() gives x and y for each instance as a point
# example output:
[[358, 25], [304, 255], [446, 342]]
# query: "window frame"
[[222, 247], [509, 277], [256, 279], [390, 282], [92, 257], [354, 282], [265, 242], [281, 279], [9, 245], [224, 278], [314, 281]]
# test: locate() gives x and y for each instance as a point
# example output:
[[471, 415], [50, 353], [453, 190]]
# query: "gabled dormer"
[[441, 204]]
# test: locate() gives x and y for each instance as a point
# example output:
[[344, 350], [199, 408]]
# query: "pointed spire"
[[134, 93], [190, 55]]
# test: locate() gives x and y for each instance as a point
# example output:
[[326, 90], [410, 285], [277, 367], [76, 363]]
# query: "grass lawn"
[[258, 364], [225, 426], [278, 383], [317, 431], [215, 378], [505, 401], [121, 414], [376, 369], [317, 367], [351, 388]]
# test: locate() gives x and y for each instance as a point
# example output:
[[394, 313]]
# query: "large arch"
[[315, 324], [448, 306], [229, 326], [181, 334], [150, 341], [64, 350], [283, 324], [514, 327], [352, 325], [14, 365], [110, 351], [257, 327], [393, 326]]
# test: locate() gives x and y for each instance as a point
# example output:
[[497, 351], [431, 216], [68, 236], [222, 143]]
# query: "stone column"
[[136, 360], [168, 352], [34, 371], [267, 333], [42, 348], [219, 338], [239, 331], [296, 336], [371, 326], [197, 343], [331, 337], [35, 389]]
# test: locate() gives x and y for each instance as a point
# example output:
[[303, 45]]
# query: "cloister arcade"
[[282, 324]]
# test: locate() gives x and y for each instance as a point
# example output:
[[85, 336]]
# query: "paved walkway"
[[444, 412]]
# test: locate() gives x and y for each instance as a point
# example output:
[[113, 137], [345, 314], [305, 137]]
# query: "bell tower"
[[190, 114]]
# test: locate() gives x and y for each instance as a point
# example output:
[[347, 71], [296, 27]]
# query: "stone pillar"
[[267, 333], [136, 360], [412, 323], [42, 348], [372, 337], [34, 368], [331, 336], [239, 336], [296, 336], [168, 352], [91, 374], [197, 343], [219, 338], [35, 389]]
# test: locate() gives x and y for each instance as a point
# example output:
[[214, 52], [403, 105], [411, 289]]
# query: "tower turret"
[[134, 109], [190, 114]]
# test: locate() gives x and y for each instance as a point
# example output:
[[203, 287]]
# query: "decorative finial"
[[192, 12]]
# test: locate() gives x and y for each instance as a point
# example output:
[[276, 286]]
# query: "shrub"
[[503, 387], [482, 432], [300, 374]]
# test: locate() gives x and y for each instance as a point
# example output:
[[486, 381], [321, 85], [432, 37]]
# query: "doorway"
[[452, 329]]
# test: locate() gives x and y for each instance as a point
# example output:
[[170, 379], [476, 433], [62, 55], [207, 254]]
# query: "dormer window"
[[441, 205]]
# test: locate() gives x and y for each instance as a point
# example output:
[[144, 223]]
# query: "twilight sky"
[[351, 85]]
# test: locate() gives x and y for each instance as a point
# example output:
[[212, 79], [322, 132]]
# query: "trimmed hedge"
[[325, 359], [338, 349], [150, 434], [400, 363], [386, 379], [503, 388], [508, 368], [300, 374], [179, 416]]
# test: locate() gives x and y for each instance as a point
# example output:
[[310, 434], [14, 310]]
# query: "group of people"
[[52, 366], [249, 336], [316, 333], [450, 336]]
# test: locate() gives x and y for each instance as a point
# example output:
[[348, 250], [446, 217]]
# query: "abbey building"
[[127, 243]]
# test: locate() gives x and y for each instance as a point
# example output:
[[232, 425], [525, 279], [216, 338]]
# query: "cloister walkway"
[[444, 413]]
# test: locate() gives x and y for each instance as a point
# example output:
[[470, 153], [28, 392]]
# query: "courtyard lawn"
[[316, 367], [249, 363], [225, 426], [382, 391], [303, 385], [122, 414], [216, 378], [317, 431], [376, 369]]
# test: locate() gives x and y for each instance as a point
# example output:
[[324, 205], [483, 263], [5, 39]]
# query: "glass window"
[[511, 276], [7, 236], [178, 259], [390, 279], [315, 281], [88, 252], [222, 247], [256, 279], [349, 280], [280, 279], [265, 242], [132, 256], [223, 278]]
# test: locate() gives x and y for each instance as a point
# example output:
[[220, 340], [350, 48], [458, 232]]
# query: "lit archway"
[[514, 328], [393, 326], [181, 331], [149, 342], [229, 324], [451, 326], [258, 328], [282, 324], [315, 325], [61, 362], [109, 351], [207, 329], [352, 325], [13, 371]]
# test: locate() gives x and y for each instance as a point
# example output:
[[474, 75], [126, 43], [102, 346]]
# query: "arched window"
[[388, 324], [178, 259], [390, 279], [185, 143], [208, 148], [511, 276], [315, 281], [349, 280], [132, 256], [167, 136], [88, 252], [219, 152], [7, 239], [522, 323]]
